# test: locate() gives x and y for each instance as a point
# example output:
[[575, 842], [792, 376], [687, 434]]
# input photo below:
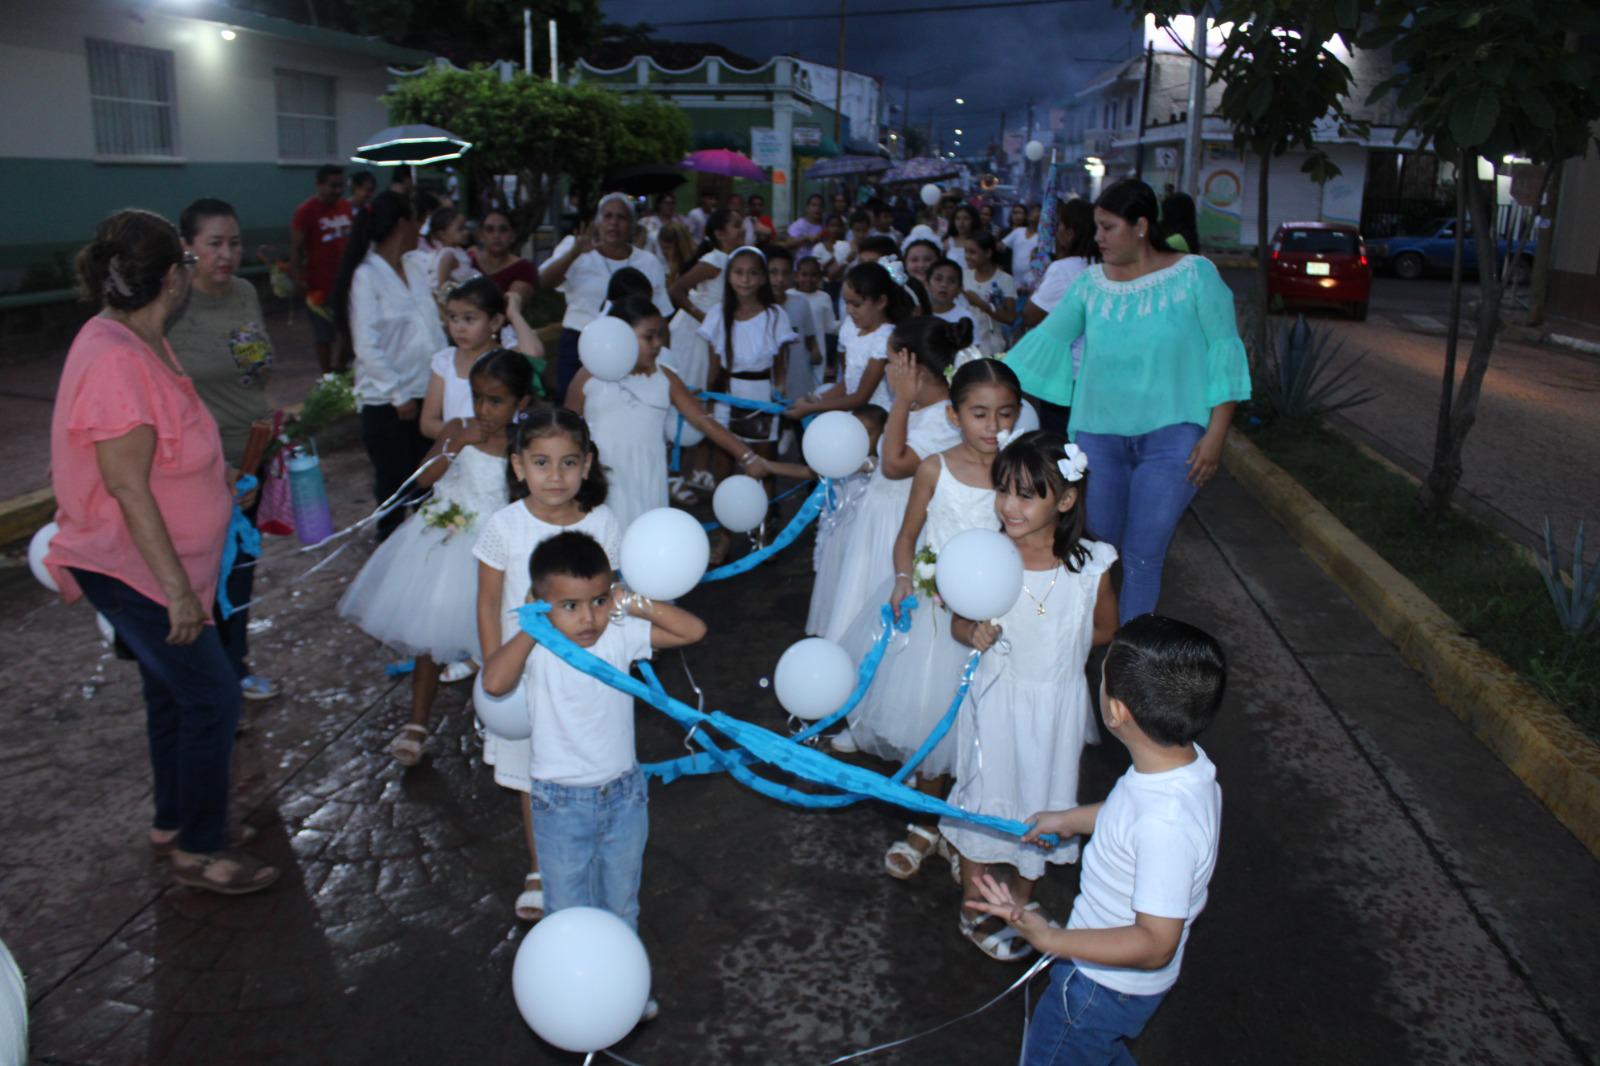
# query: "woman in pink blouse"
[[143, 504]]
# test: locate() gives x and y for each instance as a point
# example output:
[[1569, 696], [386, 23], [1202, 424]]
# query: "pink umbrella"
[[723, 161]]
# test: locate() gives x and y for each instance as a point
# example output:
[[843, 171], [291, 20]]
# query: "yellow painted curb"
[[1553, 757]]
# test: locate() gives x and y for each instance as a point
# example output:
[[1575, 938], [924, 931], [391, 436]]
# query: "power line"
[[919, 10]]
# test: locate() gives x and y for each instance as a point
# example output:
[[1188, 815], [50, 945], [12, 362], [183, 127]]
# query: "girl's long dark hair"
[[547, 421], [1029, 464], [386, 211], [933, 341], [730, 303], [1078, 216], [715, 221], [872, 280]]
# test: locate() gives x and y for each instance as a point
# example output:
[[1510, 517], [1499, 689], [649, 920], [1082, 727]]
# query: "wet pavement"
[[1386, 891]]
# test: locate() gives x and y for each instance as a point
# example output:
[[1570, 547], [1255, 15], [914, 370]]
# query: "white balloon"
[[581, 979], [740, 503], [686, 438], [664, 553], [504, 716], [38, 547], [835, 444], [1034, 151], [608, 348], [13, 1011], [979, 574], [1027, 420], [932, 194], [813, 679]]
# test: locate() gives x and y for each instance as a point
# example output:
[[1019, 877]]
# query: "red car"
[[1320, 263]]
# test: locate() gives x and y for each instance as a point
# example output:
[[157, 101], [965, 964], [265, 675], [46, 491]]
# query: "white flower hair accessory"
[[1075, 465], [967, 355], [896, 269], [1005, 437]]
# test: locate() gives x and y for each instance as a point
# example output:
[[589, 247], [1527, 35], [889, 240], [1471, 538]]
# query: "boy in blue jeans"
[[1149, 860], [588, 794]]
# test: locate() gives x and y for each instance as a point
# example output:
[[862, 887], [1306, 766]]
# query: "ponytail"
[[372, 226], [933, 341], [549, 421], [872, 281]]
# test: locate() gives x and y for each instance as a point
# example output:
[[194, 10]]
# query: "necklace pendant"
[[1040, 611]]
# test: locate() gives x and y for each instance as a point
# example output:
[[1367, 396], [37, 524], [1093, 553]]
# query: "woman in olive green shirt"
[[221, 341]]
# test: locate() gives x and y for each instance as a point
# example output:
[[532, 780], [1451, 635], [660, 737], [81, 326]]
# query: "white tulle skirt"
[[857, 558], [913, 687], [418, 593]]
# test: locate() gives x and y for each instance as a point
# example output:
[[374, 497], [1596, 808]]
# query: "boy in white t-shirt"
[[1149, 861], [588, 797]]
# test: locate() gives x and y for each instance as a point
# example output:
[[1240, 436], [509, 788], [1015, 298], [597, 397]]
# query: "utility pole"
[[527, 41], [905, 123], [838, 82], [1197, 106]]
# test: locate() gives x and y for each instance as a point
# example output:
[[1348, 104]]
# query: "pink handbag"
[[276, 514]]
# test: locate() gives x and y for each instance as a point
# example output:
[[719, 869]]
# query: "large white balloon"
[[835, 444], [664, 553], [932, 194], [504, 716], [1034, 150], [581, 979], [1027, 420], [38, 547], [608, 348], [813, 679], [979, 574], [13, 1011], [740, 503]]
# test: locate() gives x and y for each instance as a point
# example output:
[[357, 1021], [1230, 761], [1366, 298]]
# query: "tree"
[[1279, 80], [1482, 78], [541, 132]]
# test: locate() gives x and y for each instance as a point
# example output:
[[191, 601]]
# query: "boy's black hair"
[[859, 215], [362, 179], [1170, 675], [780, 253], [813, 260], [881, 246], [569, 554], [628, 282], [1030, 463], [949, 264], [328, 170]]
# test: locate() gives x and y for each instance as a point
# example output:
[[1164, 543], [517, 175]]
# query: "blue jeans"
[[591, 843], [1138, 490], [1079, 1022], [191, 697]]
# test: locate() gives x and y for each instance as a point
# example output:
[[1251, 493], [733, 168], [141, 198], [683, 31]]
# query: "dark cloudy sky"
[[995, 59]]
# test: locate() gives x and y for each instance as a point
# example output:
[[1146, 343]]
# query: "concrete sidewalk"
[[1386, 891]]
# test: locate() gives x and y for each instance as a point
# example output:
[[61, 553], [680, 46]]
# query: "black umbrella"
[[847, 166], [411, 145], [650, 180]]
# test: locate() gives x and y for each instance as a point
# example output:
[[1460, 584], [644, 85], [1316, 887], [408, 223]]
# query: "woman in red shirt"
[[143, 505]]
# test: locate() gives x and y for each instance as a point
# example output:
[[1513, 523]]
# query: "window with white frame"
[[131, 97], [307, 115]]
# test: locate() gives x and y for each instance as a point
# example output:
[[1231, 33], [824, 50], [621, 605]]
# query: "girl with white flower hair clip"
[[1020, 735]]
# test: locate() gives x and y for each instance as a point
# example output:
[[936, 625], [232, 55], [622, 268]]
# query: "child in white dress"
[[562, 488], [1020, 734], [415, 593], [629, 419], [748, 334], [475, 313], [696, 291]]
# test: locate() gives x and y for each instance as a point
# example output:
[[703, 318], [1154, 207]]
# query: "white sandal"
[[1000, 945], [530, 901], [406, 747], [914, 858], [949, 854]]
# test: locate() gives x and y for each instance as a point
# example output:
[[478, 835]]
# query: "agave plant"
[[1303, 378], [1576, 608]]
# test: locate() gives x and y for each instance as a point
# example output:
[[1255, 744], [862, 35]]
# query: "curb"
[[1552, 756]]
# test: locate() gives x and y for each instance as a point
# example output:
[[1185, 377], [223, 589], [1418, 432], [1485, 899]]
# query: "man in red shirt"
[[317, 235]]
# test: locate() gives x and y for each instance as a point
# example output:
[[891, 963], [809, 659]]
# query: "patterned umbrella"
[[723, 161], [925, 168], [847, 166]]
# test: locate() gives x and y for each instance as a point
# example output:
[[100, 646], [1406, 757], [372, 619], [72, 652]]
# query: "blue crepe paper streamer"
[[242, 538], [762, 744], [401, 668], [802, 518]]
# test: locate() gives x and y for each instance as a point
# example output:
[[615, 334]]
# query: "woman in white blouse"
[[581, 267], [386, 307]]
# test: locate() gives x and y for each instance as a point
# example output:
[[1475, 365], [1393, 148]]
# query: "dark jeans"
[[396, 448], [191, 698], [234, 629], [567, 364], [1052, 416]]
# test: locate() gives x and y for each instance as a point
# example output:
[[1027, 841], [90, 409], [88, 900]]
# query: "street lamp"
[[959, 100], [958, 133]]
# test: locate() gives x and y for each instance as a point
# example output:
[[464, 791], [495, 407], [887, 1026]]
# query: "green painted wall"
[[73, 195]]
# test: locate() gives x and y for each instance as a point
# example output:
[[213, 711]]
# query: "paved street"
[[1387, 891]]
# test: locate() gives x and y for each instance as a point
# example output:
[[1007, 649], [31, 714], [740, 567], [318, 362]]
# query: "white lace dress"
[[1019, 738], [858, 555], [922, 669], [627, 419], [418, 593]]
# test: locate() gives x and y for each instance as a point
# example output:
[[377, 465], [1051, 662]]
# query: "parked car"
[[1320, 263], [1433, 251]]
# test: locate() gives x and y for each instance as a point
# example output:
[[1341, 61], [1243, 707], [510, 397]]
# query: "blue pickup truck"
[[1433, 251]]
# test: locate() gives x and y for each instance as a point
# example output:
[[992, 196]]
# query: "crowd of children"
[[530, 502]]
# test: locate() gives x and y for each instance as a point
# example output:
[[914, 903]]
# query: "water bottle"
[[313, 520]]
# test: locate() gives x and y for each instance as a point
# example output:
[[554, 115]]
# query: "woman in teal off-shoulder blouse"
[[1162, 369]]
